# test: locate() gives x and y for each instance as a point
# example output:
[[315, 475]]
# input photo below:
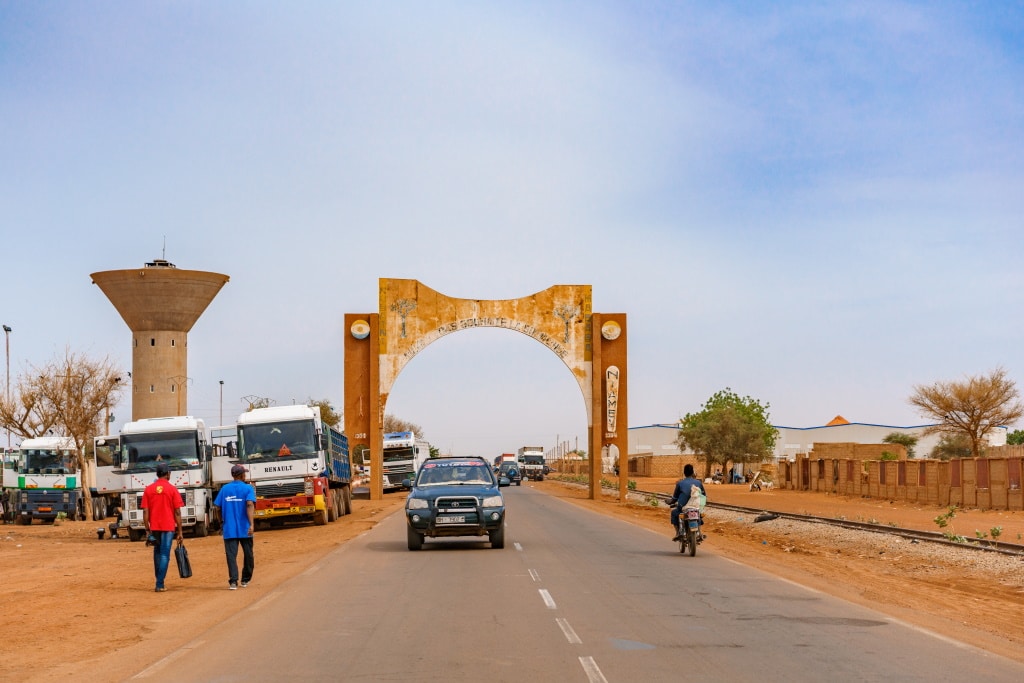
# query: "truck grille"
[[292, 488]]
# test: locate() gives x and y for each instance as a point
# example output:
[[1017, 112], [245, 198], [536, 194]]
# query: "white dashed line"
[[519, 548], [534, 575], [546, 597], [590, 668], [569, 633]]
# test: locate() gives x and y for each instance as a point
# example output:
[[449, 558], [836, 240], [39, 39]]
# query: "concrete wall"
[[991, 483]]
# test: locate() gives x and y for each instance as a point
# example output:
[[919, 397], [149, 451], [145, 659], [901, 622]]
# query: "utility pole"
[[7, 344], [221, 402]]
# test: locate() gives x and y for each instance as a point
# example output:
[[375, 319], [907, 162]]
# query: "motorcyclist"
[[681, 494]]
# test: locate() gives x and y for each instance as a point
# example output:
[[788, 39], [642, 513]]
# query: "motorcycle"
[[688, 533]]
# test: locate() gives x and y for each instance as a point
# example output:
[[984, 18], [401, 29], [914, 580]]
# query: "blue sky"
[[816, 204]]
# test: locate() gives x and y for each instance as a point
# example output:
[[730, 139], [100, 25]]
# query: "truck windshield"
[[141, 452], [47, 461], [400, 454], [277, 441]]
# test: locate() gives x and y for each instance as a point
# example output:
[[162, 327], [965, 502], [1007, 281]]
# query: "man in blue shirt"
[[681, 495], [237, 504]]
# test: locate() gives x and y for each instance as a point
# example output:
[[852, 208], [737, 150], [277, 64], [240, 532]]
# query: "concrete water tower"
[[160, 303]]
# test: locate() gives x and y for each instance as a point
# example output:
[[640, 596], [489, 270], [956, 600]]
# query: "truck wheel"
[[339, 496], [497, 537], [414, 538], [202, 528], [332, 505], [347, 498], [135, 534], [320, 517]]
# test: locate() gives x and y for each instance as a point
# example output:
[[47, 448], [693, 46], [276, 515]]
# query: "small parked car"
[[455, 497]]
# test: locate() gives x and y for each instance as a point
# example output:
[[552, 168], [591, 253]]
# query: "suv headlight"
[[417, 504], [493, 502]]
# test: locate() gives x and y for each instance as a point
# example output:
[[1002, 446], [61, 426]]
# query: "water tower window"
[[152, 389], [172, 388], [152, 342], [172, 342]]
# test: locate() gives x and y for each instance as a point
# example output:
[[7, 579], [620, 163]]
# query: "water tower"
[[160, 303]]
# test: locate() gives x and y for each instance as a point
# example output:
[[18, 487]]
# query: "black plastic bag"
[[181, 557]]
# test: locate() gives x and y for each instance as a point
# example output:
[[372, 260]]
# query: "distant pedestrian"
[[237, 504], [161, 515]]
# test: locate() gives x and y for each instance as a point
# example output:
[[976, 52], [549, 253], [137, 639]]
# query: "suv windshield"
[[454, 474]]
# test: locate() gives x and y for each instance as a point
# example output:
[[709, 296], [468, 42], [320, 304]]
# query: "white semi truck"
[[403, 455], [184, 445], [299, 465], [531, 460], [44, 482]]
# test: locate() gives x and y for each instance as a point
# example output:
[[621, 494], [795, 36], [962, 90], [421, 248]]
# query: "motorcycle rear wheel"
[[691, 540]]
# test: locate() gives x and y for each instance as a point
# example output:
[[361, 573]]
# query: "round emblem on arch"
[[611, 330], [360, 329]]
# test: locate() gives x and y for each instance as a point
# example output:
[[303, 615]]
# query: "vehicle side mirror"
[[504, 481], [407, 483]]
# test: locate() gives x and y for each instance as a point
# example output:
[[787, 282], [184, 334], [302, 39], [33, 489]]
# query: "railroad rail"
[[986, 545]]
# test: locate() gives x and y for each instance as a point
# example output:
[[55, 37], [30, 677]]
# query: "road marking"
[[312, 570], [546, 597], [145, 673], [519, 548], [568, 632], [590, 668], [264, 601], [534, 575]]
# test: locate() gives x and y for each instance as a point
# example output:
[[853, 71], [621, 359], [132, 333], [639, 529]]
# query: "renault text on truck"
[[180, 442], [299, 466], [46, 481], [403, 455]]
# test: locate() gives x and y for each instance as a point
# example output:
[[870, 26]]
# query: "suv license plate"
[[451, 519]]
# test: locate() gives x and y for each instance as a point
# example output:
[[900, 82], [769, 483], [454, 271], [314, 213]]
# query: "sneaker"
[[232, 586], [677, 538], [160, 589], [245, 584]]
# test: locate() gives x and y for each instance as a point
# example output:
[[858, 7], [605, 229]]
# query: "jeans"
[[248, 558], [162, 555]]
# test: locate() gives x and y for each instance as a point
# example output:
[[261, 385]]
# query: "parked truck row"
[[300, 467]]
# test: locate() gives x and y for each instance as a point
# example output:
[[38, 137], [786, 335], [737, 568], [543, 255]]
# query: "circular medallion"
[[611, 330], [360, 329]]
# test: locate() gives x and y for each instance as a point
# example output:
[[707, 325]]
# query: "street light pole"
[[222, 402], [7, 346]]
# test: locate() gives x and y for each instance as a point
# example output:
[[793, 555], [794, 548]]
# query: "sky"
[[813, 204]]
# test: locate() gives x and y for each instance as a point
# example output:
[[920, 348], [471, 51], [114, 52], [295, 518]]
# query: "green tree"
[[971, 407], [728, 428], [952, 446], [1015, 438], [327, 412], [395, 424], [908, 441]]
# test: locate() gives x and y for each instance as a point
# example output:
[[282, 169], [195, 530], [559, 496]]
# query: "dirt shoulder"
[[94, 598]]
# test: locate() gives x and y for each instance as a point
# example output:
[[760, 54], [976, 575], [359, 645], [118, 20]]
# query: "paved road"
[[574, 596]]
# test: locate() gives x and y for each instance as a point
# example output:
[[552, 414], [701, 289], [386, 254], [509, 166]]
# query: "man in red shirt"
[[161, 513]]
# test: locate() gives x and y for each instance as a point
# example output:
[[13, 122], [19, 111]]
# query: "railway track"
[[1001, 547]]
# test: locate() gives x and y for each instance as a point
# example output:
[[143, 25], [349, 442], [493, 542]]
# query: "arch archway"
[[411, 316]]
